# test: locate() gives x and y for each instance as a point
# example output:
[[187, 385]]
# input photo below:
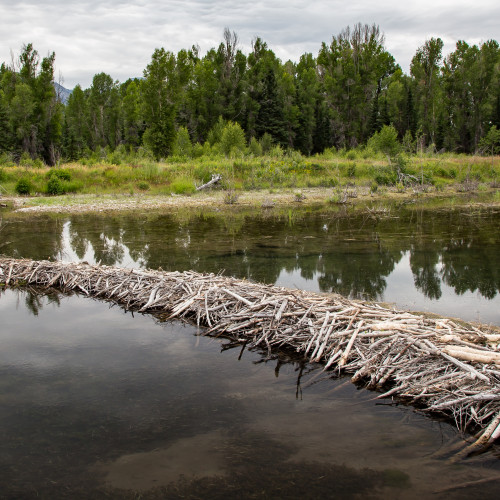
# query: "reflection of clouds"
[[96, 36], [357, 259]]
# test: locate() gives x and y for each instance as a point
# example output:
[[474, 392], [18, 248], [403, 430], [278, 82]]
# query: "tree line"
[[337, 99]]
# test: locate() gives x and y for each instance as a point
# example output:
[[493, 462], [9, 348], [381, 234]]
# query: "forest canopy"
[[186, 103]]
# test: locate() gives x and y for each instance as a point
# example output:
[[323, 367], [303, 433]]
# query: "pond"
[[98, 403], [441, 261]]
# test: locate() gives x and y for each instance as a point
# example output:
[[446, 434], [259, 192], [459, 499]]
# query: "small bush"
[[182, 186], [232, 141], [182, 143], [230, 197], [6, 160], [143, 186], [266, 142], [197, 150], [254, 147], [61, 173], [385, 179], [26, 160], [276, 151], [23, 187], [54, 186]]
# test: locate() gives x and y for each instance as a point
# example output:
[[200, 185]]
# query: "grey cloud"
[[118, 36]]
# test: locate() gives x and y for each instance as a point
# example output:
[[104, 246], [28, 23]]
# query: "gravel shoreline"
[[219, 199]]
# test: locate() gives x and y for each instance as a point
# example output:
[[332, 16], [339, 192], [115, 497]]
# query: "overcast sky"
[[118, 36]]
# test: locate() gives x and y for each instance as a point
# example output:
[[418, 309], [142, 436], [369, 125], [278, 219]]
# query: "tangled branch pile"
[[438, 364]]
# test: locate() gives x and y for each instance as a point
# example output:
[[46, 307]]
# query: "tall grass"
[[126, 172]]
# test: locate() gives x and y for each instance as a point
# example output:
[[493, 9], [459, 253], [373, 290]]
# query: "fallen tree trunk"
[[439, 364], [215, 179]]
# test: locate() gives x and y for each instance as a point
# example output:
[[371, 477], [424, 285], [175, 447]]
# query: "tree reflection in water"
[[348, 255]]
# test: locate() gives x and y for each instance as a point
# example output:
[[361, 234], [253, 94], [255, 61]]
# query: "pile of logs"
[[439, 365]]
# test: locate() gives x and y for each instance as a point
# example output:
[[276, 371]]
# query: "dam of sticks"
[[440, 365]]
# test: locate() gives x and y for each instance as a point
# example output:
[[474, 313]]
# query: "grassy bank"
[[342, 173]]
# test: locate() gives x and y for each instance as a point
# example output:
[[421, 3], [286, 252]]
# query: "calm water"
[[96, 403], [447, 262]]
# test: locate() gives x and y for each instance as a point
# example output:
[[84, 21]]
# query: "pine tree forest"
[[186, 103]]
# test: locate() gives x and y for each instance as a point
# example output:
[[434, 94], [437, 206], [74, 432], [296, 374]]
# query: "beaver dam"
[[441, 366]]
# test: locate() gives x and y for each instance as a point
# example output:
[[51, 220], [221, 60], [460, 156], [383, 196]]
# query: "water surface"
[[442, 261], [97, 403]]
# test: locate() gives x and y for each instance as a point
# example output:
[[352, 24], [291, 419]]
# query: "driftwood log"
[[214, 180], [440, 365]]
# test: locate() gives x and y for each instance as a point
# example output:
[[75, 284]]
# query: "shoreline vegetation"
[[332, 178]]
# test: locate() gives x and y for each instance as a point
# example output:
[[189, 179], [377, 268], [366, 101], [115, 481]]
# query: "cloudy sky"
[[119, 36]]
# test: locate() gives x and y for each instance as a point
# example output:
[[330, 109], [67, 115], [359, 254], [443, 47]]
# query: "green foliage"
[[266, 142], [159, 87], [23, 187], [182, 186], [255, 148], [232, 139], [198, 150], [385, 141], [351, 94], [55, 186], [386, 176], [408, 143], [61, 173], [143, 186], [351, 171], [182, 145], [491, 142]]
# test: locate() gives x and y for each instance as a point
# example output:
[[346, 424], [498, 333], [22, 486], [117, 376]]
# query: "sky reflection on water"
[[445, 262]]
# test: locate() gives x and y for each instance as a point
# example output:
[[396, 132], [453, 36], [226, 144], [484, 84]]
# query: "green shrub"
[[26, 160], [385, 141], [232, 140], [143, 186], [72, 187], [351, 170], [182, 186], [54, 186], [254, 147], [23, 186], [182, 143], [266, 142], [440, 185], [385, 179], [197, 150], [203, 172], [276, 151], [61, 173], [6, 160]]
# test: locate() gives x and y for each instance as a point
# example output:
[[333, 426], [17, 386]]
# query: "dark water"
[[96, 403], [443, 261]]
